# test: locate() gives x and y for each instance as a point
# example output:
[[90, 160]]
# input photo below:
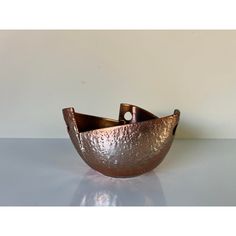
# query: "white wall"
[[43, 71]]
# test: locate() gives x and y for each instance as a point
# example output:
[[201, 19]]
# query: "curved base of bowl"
[[135, 171], [128, 174], [123, 176]]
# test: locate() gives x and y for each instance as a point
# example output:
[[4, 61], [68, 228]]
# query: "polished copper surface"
[[122, 148]]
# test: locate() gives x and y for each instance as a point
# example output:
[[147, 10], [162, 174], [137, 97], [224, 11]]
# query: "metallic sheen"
[[123, 148]]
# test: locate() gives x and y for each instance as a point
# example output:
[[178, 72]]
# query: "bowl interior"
[[136, 114]]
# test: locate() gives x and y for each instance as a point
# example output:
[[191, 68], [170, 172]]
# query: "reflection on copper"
[[95, 189], [124, 147]]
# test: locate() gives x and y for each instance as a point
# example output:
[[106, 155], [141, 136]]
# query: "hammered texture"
[[124, 150]]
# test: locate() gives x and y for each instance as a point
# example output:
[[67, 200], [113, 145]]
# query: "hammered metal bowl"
[[123, 148]]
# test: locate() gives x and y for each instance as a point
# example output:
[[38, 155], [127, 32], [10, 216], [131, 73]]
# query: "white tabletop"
[[49, 172]]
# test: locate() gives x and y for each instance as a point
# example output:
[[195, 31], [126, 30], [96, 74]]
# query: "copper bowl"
[[123, 148]]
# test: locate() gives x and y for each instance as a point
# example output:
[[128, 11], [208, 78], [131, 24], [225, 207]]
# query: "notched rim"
[[88, 123]]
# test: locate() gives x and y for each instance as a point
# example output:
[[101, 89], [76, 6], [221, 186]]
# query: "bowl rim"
[[72, 111]]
